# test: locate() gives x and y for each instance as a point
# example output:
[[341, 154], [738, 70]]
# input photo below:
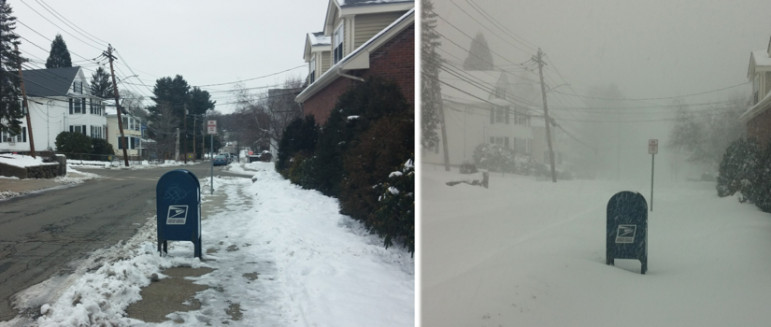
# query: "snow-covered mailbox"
[[178, 207], [627, 228]]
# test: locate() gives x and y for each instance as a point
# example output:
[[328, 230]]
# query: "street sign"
[[653, 146], [211, 127], [178, 209]]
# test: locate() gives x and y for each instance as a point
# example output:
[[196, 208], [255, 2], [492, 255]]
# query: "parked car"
[[220, 160]]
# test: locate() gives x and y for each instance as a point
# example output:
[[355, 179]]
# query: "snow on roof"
[[761, 58], [319, 38], [344, 3]]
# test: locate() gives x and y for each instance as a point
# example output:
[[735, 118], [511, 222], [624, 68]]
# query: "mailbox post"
[[178, 209], [627, 228]]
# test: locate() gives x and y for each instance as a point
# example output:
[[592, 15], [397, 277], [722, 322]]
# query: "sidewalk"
[[274, 255], [13, 187]]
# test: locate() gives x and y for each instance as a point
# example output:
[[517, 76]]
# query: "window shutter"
[[507, 114], [71, 107]]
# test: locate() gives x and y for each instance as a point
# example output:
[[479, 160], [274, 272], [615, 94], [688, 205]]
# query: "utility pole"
[[195, 118], [123, 142], [25, 105], [184, 140], [539, 60], [444, 137]]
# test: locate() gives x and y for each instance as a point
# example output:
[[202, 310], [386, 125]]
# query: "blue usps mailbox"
[[178, 203], [627, 228]]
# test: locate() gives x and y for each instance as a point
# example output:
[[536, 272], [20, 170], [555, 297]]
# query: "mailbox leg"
[[644, 267], [198, 251]]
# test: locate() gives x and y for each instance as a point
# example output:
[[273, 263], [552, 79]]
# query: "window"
[[77, 87], [521, 119], [96, 107], [338, 42], [500, 114], [97, 132], [78, 129], [312, 68], [77, 106], [131, 142], [6, 136]]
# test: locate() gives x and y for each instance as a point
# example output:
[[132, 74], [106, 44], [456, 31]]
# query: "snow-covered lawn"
[[283, 254], [532, 253]]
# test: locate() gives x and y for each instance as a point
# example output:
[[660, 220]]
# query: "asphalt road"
[[42, 234]]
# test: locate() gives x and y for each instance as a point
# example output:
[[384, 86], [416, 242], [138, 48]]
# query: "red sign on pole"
[[211, 127], [653, 146]]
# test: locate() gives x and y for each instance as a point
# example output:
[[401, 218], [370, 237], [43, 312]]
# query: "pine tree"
[[59, 56], [10, 90], [431, 91], [479, 56], [101, 85]]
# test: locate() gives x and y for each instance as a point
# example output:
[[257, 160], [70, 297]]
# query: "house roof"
[[759, 61], [319, 38], [760, 107], [359, 58], [49, 82], [352, 3], [315, 42], [339, 8]]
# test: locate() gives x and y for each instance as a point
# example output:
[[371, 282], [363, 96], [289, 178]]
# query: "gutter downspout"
[[339, 72]]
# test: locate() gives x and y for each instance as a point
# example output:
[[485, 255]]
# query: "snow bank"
[[19, 160], [532, 253], [283, 255]]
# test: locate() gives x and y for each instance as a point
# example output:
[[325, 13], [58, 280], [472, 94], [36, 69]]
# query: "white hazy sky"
[[206, 42], [651, 52], [655, 48]]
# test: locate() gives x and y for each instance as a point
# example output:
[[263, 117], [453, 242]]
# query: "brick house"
[[360, 39], [758, 115]]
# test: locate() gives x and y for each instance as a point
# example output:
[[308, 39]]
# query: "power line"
[[656, 98]]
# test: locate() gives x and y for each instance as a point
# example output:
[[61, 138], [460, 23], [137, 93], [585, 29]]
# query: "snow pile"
[[19, 160], [283, 255], [532, 253], [119, 163]]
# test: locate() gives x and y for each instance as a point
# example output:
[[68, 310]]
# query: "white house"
[[484, 107], [132, 130], [59, 100]]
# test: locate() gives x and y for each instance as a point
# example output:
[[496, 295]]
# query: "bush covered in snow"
[[498, 158], [746, 169], [369, 136], [370, 168], [394, 219], [299, 137], [81, 146], [738, 167]]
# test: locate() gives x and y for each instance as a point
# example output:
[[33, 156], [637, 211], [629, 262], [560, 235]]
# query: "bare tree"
[[281, 109]]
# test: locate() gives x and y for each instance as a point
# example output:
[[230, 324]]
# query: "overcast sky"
[[654, 48], [650, 52], [206, 42]]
